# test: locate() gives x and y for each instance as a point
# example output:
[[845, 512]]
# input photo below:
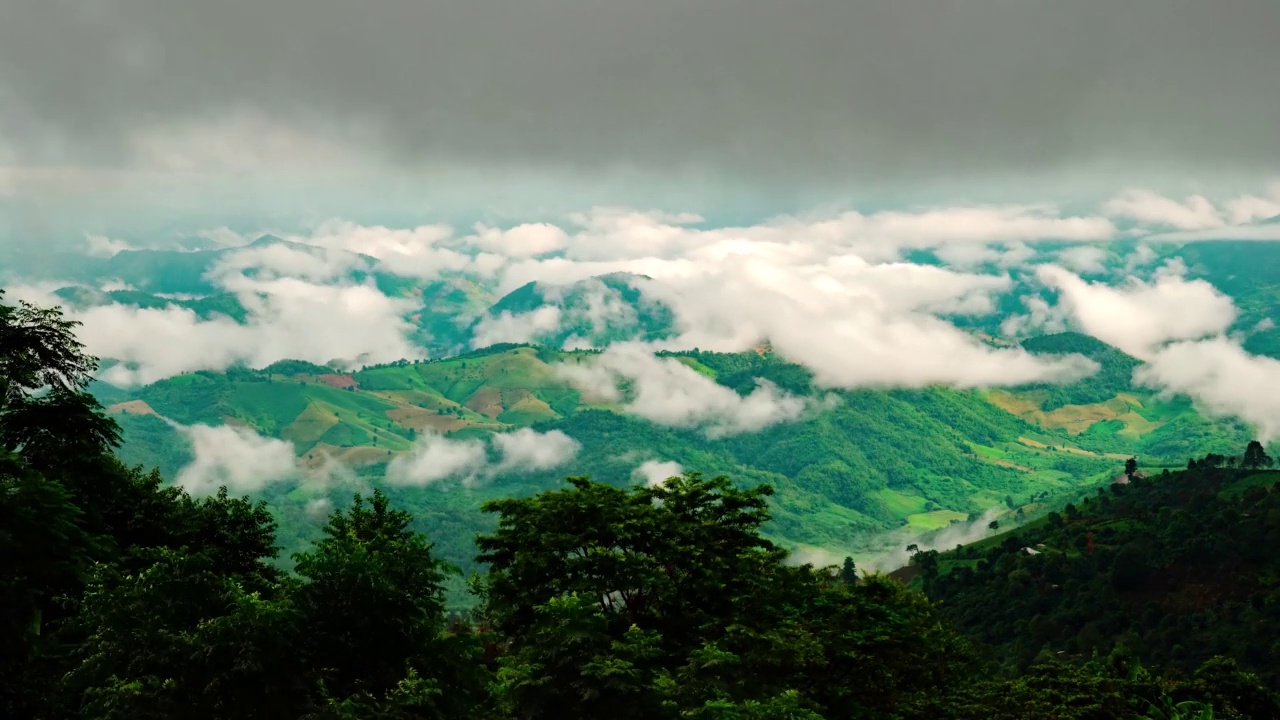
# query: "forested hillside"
[[1173, 568]]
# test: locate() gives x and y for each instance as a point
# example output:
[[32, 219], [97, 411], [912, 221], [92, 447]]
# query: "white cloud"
[[236, 457], [1144, 206], [1221, 378], [515, 328], [1041, 317], [287, 319], [529, 450], [103, 246], [966, 256], [821, 291], [411, 252], [656, 472], [1141, 256], [958, 533], [828, 292], [318, 509], [435, 458], [614, 234], [1252, 208], [668, 392], [856, 324], [1084, 258], [1264, 232], [521, 241], [1140, 316], [1004, 224], [295, 260]]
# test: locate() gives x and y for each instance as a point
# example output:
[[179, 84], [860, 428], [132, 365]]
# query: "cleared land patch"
[[132, 407]]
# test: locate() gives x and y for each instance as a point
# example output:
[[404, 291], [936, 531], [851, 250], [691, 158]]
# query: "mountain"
[[450, 308], [1173, 567], [594, 312], [855, 464], [205, 307]]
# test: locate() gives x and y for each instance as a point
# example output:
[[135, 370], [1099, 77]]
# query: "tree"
[[627, 602], [38, 349], [644, 555], [849, 572], [1130, 467], [372, 597], [45, 555], [1255, 456], [45, 412], [182, 639], [993, 525]]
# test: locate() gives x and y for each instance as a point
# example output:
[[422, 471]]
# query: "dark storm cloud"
[[765, 89]]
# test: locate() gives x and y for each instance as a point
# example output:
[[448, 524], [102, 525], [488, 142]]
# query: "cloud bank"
[[1178, 327], [1139, 317], [238, 458], [435, 458], [668, 392], [1222, 378]]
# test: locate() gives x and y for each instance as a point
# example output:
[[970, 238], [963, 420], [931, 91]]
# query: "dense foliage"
[[1115, 370], [1175, 568]]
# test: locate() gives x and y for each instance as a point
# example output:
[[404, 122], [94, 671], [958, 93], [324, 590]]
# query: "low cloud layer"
[[1139, 317], [288, 318], [240, 459], [835, 293], [435, 458], [246, 462], [1179, 328], [668, 392], [1222, 378]]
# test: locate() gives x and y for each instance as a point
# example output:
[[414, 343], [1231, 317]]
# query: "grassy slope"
[[872, 460]]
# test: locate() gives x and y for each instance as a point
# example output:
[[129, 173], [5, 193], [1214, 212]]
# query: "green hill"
[[859, 463], [1172, 568]]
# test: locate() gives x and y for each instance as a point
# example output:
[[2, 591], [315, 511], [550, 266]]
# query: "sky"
[[770, 166], [132, 114]]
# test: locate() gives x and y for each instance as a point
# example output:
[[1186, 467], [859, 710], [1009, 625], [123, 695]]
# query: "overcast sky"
[[524, 103]]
